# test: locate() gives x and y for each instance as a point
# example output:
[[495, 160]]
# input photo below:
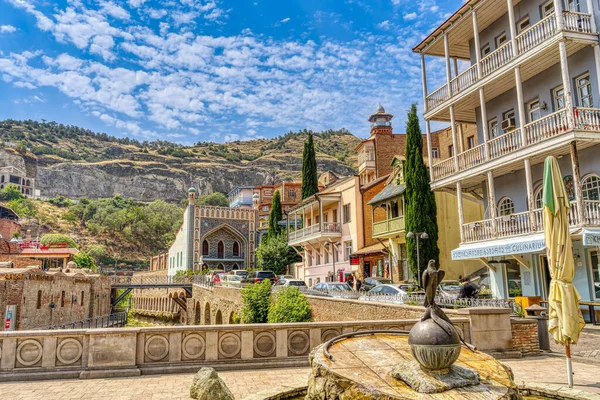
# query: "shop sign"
[[591, 238], [532, 246]]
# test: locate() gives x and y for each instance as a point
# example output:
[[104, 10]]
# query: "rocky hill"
[[75, 162]]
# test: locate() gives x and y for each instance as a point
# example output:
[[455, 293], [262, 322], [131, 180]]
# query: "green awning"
[[391, 190]]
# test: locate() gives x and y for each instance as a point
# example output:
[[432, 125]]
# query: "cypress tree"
[[275, 216], [310, 180], [421, 210]]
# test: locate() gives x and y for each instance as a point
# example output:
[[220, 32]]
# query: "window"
[[591, 187], [236, 249], [347, 215], [510, 114], [220, 250], [513, 279], [451, 150], [523, 24], [493, 128], [572, 5], [471, 142], [558, 98], [62, 298], [265, 208], [335, 216], [309, 258], [435, 152], [82, 298], [538, 201], [584, 91], [318, 259], [547, 8], [595, 273], [506, 206], [38, 304], [533, 110], [205, 248], [500, 39], [347, 250], [291, 193], [485, 50], [394, 209], [326, 257]]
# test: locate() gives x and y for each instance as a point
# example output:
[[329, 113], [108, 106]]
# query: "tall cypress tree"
[[310, 180], [421, 210], [275, 215]]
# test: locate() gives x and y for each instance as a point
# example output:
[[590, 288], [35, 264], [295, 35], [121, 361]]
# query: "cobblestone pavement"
[[587, 346], [546, 371]]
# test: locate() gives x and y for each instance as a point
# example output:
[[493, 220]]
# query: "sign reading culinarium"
[[531, 246]]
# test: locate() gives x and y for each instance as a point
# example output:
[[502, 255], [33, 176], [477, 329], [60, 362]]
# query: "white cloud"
[[283, 21], [7, 29], [135, 3], [410, 16], [384, 25]]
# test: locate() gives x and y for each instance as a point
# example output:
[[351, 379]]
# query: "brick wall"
[[444, 139], [525, 336], [8, 227], [159, 262]]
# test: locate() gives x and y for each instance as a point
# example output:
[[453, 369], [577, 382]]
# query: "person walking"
[[468, 290]]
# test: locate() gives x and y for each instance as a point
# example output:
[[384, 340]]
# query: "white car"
[[232, 280], [299, 283], [396, 290]]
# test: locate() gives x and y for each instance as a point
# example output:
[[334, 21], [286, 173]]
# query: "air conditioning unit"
[[508, 124]]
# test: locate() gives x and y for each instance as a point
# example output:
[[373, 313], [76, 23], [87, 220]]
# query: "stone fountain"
[[431, 361]]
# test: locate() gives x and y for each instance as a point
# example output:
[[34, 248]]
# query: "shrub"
[[60, 201], [255, 302], [84, 260], [53, 239], [11, 192], [289, 305], [23, 207]]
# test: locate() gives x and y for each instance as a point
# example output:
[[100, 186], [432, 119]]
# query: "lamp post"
[[418, 235], [333, 254]]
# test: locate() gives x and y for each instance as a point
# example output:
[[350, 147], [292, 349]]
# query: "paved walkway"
[[587, 346], [548, 371]]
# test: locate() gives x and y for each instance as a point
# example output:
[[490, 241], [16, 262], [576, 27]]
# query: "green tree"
[[84, 260], [11, 192], [275, 216], [53, 239], [421, 210], [216, 199], [310, 180], [100, 255], [22, 146], [289, 305], [23, 207], [255, 302], [274, 254]]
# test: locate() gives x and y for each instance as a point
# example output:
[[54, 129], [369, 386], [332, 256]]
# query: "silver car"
[[232, 281]]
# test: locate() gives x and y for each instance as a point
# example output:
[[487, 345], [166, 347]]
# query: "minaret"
[[381, 122]]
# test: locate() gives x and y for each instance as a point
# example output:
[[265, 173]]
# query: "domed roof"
[[380, 110], [192, 190], [255, 196]]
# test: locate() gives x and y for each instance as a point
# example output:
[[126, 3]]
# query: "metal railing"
[[127, 281], [115, 320]]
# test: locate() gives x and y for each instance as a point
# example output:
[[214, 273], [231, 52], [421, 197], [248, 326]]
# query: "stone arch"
[[239, 237], [230, 319], [205, 247], [235, 267], [221, 249], [236, 249], [219, 318], [197, 314], [207, 314]]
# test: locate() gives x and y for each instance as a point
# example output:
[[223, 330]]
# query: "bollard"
[[541, 315]]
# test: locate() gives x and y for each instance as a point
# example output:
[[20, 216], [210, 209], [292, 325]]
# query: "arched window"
[[236, 249], [2, 179], [27, 183], [506, 206], [205, 248], [591, 187], [220, 250], [538, 201], [235, 267]]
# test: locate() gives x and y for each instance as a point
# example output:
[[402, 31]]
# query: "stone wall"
[[159, 262], [525, 336], [21, 262]]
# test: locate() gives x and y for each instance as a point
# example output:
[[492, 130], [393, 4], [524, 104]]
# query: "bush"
[[60, 201], [23, 207], [100, 255], [289, 305], [84, 260], [255, 302], [11, 192], [53, 239]]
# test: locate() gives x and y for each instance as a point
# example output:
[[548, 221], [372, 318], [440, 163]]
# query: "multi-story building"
[[16, 176], [331, 231], [241, 197], [532, 88], [213, 237]]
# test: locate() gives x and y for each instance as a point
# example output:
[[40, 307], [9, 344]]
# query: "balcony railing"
[[328, 228], [524, 223], [388, 226], [550, 126], [526, 41]]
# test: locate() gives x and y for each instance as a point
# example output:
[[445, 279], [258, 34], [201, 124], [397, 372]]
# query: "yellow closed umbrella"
[[565, 319]]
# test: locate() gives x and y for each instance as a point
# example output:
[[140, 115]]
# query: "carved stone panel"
[[298, 343], [264, 344], [69, 351], [156, 348], [29, 353], [230, 345], [193, 347]]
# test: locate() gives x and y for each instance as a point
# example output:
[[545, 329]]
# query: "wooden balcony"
[[528, 43], [315, 233], [507, 146], [388, 228], [525, 223]]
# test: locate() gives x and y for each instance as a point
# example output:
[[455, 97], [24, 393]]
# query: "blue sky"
[[218, 70]]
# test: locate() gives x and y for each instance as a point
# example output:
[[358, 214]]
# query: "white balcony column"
[[312, 217], [477, 43], [530, 200], [520, 105], [461, 217], [429, 149], [484, 124], [320, 215], [558, 10], [513, 26], [597, 61], [566, 80], [448, 69], [454, 143], [424, 81], [581, 214], [590, 10], [492, 200], [455, 67], [460, 137]]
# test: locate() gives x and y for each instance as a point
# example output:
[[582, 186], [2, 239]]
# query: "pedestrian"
[[468, 290], [350, 281], [357, 284]]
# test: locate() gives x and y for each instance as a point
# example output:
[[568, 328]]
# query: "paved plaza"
[[548, 371]]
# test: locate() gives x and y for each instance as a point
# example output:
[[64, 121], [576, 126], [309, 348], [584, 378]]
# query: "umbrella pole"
[[569, 365]]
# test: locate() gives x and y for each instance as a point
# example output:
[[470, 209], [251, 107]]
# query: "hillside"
[[74, 162]]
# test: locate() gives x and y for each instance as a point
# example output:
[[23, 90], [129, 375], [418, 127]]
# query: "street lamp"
[[418, 235], [333, 254]]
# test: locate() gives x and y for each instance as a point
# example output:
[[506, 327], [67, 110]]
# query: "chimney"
[[28, 235]]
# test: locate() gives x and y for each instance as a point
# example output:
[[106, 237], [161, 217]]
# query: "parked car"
[[449, 289], [332, 289], [219, 278], [393, 290], [292, 282], [232, 280], [370, 282], [239, 272], [280, 277], [214, 272], [259, 276]]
